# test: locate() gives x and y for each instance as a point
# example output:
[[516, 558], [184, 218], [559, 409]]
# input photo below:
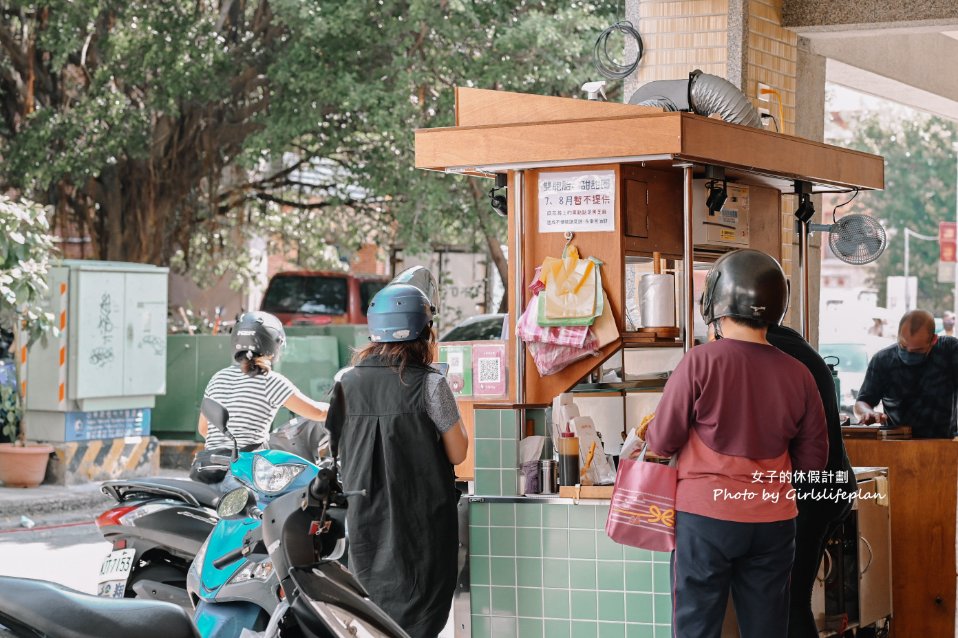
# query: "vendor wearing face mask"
[[916, 381]]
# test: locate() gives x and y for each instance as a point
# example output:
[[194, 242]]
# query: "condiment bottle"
[[568, 457]]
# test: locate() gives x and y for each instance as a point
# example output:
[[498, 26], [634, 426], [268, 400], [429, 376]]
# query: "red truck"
[[320, 297]]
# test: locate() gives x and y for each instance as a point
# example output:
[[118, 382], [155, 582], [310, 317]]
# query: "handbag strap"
[[645, 448], [673, 461]]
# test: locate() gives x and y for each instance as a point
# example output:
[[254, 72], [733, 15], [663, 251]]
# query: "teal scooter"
[[232, 582]]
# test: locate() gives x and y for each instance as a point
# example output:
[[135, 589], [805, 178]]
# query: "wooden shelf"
[[631, 340], [586, 492]]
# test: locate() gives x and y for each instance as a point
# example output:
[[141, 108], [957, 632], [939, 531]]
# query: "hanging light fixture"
[[806, 208], [718, 194], [498, 202]]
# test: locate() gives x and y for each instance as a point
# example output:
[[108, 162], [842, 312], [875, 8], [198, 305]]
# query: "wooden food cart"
[[544, 566]]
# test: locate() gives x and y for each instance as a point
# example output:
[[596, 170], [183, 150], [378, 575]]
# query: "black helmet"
[[747, 284], [257, 334]]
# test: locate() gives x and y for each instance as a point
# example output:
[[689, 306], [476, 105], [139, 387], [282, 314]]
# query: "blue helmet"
[[399, 312]]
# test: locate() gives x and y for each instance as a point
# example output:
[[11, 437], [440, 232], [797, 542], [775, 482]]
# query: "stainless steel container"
[[547, 476]]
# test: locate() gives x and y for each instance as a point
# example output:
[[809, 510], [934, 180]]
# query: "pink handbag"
[[642, 512]]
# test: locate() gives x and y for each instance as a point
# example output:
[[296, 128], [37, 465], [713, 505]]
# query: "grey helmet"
[[399, 312], [420, 277], [747, 284], [257, 334]]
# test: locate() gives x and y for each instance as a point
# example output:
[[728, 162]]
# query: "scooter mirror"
[[215, 413], [234, 503]]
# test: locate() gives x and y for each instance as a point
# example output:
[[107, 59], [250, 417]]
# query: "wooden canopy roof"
[[498, 131]]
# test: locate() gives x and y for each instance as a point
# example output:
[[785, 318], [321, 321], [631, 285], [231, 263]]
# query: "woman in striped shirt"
[[251, 390]]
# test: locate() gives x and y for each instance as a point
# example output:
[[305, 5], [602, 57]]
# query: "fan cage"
[[857, 239]]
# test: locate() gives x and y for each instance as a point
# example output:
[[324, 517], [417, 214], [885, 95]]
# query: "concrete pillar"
[[743, 41]]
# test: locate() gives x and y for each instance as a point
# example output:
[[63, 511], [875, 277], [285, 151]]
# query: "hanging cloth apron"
[[570, 287], [403, 535]]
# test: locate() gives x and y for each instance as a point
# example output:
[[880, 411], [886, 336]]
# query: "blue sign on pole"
[[107, 424]]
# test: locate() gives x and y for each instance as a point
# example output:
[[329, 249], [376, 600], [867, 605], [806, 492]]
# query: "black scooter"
[[303, 531], [157, 526]]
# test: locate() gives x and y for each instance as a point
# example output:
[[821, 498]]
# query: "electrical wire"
[[605, 63], [845, 203]]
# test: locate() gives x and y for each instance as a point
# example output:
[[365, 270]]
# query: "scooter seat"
[[204, 494], [48, 609]]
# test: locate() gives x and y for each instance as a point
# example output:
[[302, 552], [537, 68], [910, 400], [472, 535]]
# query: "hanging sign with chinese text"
[[578, 202]]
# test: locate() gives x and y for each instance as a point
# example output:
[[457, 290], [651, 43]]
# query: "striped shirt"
[[252, 403]]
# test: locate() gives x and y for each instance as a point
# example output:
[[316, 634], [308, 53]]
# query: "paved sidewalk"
[[55, 504]]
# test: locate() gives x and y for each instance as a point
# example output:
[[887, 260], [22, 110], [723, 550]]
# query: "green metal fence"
[[312, 356]]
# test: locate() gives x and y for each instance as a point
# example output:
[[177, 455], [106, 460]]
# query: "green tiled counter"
[[543, 567], [547, 568]]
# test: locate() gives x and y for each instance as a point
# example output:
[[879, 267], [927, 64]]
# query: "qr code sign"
[[489, 370], [456, 361]]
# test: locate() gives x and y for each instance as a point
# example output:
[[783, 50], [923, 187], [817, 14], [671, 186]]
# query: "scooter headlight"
[[197, 563], [253, 571], [273, 478]]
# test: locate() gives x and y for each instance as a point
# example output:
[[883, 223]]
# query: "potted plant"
[[26, 248]]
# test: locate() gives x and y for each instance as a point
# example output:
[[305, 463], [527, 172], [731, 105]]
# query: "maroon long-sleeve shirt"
[[753, 410]]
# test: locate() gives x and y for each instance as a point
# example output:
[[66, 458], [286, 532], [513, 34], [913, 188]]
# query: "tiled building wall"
[[772, 59], [548, 570], [679, 36]]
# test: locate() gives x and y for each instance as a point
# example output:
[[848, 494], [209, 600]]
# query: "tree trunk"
[[492, 242], [112, 245]]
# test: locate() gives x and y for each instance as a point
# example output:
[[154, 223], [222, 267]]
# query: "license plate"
[[115, 570]]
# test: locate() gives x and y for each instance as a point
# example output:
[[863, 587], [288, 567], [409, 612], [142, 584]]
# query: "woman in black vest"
[[394, 424]]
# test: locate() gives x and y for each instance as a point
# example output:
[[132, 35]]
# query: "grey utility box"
[[99, 377]]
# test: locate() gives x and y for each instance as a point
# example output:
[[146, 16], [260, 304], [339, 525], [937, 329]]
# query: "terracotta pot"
[[23, 466]]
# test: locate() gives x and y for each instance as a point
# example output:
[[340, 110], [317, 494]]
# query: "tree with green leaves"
[[920, 179], [171, 132], [26, 251]]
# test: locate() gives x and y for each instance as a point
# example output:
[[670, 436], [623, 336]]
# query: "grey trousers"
[[713, 557]]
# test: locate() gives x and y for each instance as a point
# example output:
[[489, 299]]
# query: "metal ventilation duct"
[[702, 94]]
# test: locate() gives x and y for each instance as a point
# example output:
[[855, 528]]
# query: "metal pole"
[[803, 279], [687, 253], [909, 233], [907, 296], [515, 306]]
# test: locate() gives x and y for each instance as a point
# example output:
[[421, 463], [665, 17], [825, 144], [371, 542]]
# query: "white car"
[[478, 328]]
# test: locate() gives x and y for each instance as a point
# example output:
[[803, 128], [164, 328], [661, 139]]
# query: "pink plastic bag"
[[528, 329], [550, 358], [642, 512]]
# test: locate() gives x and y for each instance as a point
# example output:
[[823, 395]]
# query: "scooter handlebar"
[[229, 557]]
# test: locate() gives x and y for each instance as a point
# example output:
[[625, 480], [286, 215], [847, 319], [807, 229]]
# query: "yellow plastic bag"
[[570, 286]]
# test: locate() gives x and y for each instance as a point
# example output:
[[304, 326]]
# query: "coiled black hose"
[[604, 63]]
